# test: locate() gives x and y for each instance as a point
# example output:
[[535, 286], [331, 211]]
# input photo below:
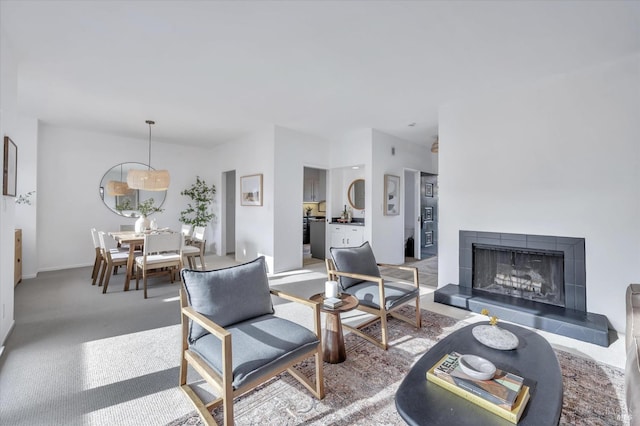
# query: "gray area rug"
[[361, 390]]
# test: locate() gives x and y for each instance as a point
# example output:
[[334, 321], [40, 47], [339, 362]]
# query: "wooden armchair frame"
[[382, 313], [223, 383]]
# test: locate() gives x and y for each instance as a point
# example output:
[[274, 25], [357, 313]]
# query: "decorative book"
[[505, 395], [332, 302]]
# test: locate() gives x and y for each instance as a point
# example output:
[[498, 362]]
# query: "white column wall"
[[558, 158], [26, 217], [293, 151], [8, 124], [251, 155]]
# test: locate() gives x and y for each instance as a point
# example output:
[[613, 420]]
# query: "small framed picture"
[[428, 214], [10, 168], [428, 190], [428, 238], [251, 190], [391, 195]]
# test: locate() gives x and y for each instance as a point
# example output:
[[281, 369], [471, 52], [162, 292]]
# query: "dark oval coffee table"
[[420, 402]]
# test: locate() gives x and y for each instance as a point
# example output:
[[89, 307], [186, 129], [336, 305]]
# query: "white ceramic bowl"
[[477, 367]]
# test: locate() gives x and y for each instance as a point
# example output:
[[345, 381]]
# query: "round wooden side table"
[[333, 350]]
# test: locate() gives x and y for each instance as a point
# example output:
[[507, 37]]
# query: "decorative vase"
[[495, 337], [141, 224]]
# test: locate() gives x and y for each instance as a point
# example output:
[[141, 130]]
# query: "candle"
[[331, 289]]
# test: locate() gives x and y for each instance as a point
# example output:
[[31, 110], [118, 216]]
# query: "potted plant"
[[145, 208], [197, 212]]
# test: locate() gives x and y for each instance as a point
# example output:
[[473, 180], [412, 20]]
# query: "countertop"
[[335, 222]]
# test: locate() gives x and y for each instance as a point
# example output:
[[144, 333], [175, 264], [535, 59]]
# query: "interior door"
[[417, 243]]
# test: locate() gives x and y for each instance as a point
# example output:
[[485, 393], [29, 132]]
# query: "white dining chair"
[[97, 263], [161, 254], [113, 257], [195, 248], [186, 232]]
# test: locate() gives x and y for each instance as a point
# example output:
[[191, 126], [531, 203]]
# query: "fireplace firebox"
[[534, 280], [536, 275]]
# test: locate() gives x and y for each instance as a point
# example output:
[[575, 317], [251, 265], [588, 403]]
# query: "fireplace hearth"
[[533, 280]]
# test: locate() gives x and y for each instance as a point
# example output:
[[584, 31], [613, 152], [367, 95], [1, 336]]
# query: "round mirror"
[[119, 198], [356, 194]]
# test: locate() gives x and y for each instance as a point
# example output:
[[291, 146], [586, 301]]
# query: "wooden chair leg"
[[383, 330], [144, 282], [106, 280], [96, 267], [137, 277], [102, 272], [202, 267]]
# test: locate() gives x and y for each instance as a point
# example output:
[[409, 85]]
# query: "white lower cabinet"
[[346, 235]]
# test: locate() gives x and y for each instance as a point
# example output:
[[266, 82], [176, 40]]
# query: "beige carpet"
[[361, 390]]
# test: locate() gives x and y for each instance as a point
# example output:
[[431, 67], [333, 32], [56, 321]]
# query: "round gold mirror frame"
[[356, 194], [119, 198]]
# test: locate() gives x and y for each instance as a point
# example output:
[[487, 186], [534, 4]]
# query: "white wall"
[[26, 218], [251, 155], [70, 167], [293, 151], [558, 158], [8, 124], [388, 231]]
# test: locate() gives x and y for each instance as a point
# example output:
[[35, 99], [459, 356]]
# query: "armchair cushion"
[[356, 260], [395, 294], [228, 296], [259, 346]]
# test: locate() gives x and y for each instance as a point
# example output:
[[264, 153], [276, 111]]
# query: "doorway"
[[429, 215], [229, 213]]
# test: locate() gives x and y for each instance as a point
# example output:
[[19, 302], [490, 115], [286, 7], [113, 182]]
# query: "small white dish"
[[477, 367]]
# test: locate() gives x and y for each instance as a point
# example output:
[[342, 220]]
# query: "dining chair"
[[97, 263], [195, 248], [161, 254], [113, 257], [186, 231]]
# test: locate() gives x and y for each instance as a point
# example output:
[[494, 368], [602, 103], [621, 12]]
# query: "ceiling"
[[211, 71]]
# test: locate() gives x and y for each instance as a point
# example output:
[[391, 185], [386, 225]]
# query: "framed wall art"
[[391, 195], [428, 238], [428, 190], [10, 168], [251, 190], [428, 214]]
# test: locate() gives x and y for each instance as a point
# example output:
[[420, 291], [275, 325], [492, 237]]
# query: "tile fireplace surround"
[[573, 320]]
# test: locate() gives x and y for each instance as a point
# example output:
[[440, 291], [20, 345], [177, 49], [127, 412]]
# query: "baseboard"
[[60, 268], [5, 337]]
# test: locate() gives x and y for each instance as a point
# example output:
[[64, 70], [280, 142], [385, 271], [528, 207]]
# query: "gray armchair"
[[357, 272], [232, 338]]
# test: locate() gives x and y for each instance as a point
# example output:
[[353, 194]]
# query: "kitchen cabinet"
[[315, 185], [346, 235]]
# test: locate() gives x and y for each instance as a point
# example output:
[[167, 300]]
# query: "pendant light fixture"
[[149, 180], [118, 187]]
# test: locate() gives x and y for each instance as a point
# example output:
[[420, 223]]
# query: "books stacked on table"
[[505, 394], [332, 302]]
